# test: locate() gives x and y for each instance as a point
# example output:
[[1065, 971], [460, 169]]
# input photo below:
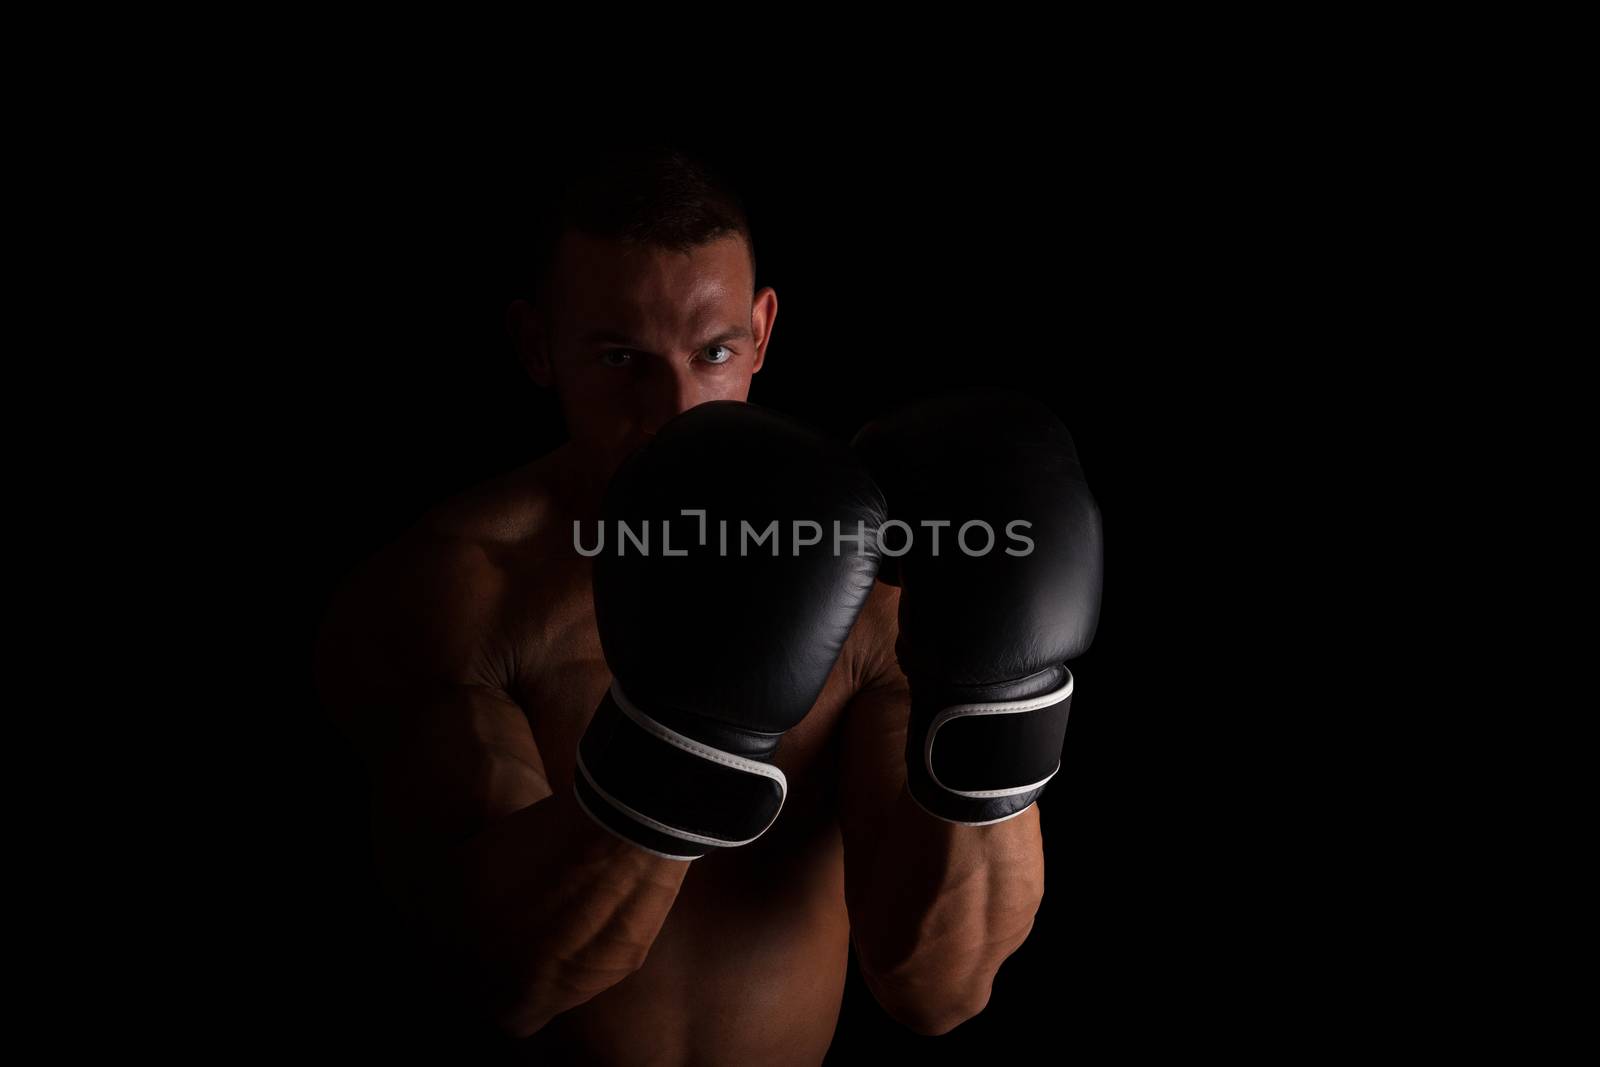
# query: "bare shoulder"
[[503, 512], [439, 605]]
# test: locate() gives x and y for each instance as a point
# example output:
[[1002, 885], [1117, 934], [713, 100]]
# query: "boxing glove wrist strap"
[[667, 792], [985, 762]]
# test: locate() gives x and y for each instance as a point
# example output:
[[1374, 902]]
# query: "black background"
[[1139, 292]]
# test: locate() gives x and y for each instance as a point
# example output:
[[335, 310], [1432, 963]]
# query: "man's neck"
[[580, 478]]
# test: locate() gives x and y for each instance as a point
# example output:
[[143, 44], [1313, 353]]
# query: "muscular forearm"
[[542, 910], [940, 908]]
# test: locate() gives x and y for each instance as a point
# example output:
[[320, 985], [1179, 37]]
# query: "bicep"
[[463, 757], [411, 664], [873, 767], [875, 722]]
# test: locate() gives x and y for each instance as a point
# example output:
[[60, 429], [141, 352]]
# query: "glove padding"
[[985, 636], [716, 652]]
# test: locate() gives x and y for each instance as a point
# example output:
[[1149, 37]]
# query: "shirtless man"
[[466, 663]]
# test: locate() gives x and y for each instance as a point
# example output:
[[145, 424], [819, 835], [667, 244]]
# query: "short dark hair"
[[656, 193]]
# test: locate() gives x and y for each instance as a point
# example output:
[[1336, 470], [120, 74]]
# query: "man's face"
[[639, 334]]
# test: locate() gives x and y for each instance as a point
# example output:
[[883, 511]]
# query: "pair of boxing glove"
[[739, 546]]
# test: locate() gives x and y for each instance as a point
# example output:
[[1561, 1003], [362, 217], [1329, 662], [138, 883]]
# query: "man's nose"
[[670, 391]]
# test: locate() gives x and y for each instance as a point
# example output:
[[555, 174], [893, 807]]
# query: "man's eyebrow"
[[732, 333], [609, 337], [615, 337]]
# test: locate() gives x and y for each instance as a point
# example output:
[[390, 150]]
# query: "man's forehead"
[[620, 284]]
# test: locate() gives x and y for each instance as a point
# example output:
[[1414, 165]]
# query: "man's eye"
[[617, 357], [717, 354]]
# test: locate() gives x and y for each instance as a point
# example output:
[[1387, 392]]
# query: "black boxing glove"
[[985, 636], [719, 640]]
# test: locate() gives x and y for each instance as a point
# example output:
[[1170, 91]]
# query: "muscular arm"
[[935, 907], [532, 907]]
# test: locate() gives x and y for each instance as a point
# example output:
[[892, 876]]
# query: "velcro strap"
[[999, 748], [670, 786]]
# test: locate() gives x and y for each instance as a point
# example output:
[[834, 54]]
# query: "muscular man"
[[466, 663]]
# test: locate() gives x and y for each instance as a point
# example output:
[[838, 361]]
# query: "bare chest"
[[750, 964]]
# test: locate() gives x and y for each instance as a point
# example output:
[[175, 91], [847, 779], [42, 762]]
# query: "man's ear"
[[763, 312], [528, 334]]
